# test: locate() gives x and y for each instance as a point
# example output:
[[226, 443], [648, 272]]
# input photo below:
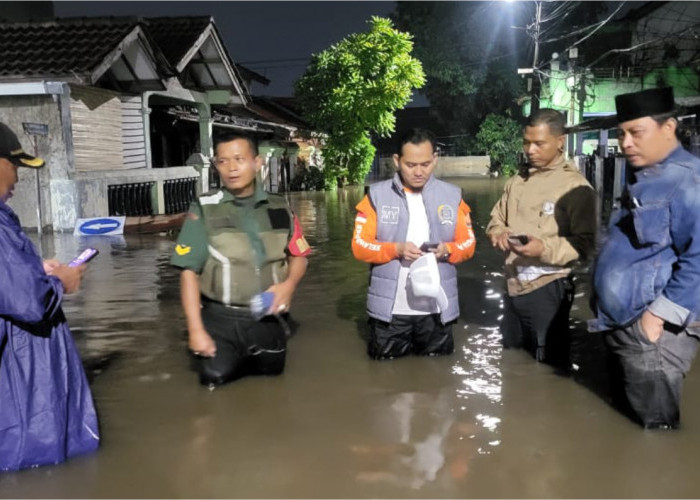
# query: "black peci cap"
[[650, 102]]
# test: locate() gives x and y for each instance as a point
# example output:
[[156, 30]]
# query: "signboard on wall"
[[41, 129]]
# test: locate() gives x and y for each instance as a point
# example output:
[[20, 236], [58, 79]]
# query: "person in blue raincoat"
[[46, 409]]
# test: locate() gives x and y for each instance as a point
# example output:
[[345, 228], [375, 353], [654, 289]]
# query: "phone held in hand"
[[426, 247], [85, 256], [518, 239]]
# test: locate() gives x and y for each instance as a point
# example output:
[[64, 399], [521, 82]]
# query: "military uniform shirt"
[[191, 251]]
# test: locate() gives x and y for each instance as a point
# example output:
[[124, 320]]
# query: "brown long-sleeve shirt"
[[558, 206]]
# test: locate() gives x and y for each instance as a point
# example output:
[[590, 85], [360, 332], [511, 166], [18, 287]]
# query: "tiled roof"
[[60, 47], [249, 74], [78, 45], [176, 35], [75, 47]]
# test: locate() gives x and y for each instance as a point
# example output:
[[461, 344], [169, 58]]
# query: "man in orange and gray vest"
[[400, 221]]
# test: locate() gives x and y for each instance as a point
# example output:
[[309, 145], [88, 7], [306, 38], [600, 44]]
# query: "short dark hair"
[[554, 120], [233, 136], [416, 136], [663, 117]]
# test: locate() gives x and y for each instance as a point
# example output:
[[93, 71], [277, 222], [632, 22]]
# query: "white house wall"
[[97, 129], [15, 110], [133, 137]]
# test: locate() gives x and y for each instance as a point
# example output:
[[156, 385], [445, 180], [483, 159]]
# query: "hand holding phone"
[[518, 239], [85, 256], [426, 247]]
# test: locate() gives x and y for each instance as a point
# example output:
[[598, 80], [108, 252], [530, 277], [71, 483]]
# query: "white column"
[[206, 144]]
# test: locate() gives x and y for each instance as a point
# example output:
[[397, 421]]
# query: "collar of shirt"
[[656, 169], [259, 196]]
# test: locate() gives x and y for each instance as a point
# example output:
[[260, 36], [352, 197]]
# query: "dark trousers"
[[422, 335], [244, 346], [647, 377], [539, 322]]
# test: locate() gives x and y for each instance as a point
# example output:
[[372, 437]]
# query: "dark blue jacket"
[[46, 409], [650, 258]]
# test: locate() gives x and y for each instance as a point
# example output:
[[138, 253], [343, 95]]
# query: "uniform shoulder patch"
[[211, 199], [182, 249], [302, 245]]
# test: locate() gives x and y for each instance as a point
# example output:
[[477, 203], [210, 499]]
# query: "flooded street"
[[480, 423]]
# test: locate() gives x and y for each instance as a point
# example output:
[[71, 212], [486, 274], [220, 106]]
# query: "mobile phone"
[[85, 256], [426, 247], [518, 239]]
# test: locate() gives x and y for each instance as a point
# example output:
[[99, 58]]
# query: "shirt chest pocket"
[[652, 224]]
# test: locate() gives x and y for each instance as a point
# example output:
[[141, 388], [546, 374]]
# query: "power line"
[[262, 61]]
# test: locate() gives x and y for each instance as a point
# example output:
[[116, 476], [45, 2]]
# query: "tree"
[[469, 54], [352, 89], [501, 138]]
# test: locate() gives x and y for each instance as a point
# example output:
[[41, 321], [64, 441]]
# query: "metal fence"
[[178, 194], [607, 176], [138, 199], [131, 200]]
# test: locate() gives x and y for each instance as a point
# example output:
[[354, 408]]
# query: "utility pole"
[[535, 96]]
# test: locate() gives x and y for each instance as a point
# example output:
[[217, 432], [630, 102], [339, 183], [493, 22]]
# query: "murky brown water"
[[480, 423]]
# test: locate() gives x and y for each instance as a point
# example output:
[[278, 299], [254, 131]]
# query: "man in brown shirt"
[[544, 222]]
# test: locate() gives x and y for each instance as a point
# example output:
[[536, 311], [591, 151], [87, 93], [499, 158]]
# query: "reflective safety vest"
[[246, 248]]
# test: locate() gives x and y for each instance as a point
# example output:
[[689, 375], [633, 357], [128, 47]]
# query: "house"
[[653, 45], [124, 110]]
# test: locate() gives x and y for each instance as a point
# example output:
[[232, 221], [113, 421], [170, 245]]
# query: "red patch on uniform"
[[298, 246]]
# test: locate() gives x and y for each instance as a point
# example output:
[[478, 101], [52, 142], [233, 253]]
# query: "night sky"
[[275, 39]]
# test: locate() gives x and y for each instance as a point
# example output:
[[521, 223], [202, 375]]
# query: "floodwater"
[[480, 423]]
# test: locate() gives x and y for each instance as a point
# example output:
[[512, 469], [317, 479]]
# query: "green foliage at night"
[[471, 52], [468, 56], [352, 90], [501, 138]]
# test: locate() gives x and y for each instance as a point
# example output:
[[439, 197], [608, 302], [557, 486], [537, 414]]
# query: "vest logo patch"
[[446, 215], [182, 250], [389, 215], [302, 245], [548, 208]]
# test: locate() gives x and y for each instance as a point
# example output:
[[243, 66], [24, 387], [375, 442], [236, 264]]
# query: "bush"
[[501, 138], [308, 179]]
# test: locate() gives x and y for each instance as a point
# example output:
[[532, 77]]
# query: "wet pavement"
[[480, 423]]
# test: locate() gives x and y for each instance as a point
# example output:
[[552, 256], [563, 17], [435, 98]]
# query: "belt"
[[206, 301], [244, 310]]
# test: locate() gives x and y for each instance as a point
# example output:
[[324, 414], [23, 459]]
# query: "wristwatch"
[[447, 255]]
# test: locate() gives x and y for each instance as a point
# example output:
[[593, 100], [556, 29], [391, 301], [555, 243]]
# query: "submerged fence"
[[144, 198], [178, 194], [131, 200]]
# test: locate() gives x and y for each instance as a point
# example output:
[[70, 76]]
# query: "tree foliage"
[[469, 60], [501, 138], [352, 89], [471, 53]]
